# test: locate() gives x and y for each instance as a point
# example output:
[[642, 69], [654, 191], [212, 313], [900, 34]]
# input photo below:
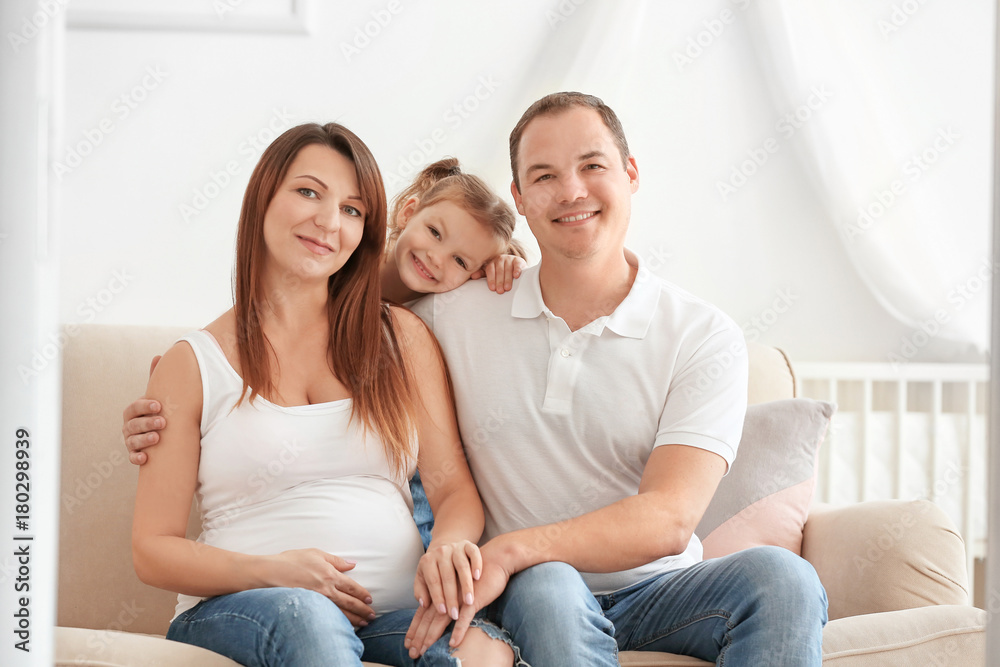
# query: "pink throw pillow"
[[765, 498]]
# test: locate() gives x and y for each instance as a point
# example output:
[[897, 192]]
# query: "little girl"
[[444, 229]]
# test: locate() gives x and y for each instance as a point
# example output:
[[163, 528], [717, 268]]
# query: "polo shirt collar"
[[527, 302], [630, 319]]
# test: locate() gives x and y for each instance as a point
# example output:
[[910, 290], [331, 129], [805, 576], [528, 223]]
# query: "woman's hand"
[[319, 571], [500, 272], [443, 571], [428, 624]]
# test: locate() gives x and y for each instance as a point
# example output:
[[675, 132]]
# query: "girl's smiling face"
[[440, 246]]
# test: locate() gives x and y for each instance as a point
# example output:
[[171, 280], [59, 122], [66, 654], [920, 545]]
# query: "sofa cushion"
[[766, 496], [111, 648], [943, 635], [80, 647], [946, 635]]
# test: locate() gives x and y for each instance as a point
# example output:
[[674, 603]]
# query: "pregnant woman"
[[295, 419]]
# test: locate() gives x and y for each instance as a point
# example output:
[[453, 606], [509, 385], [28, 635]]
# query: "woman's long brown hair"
[[363, 351]]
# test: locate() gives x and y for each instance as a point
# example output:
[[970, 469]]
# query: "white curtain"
[[870, 145], [588, 47]]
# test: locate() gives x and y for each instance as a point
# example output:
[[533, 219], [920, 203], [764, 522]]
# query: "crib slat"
[[901, 398], [866, 420], [828, 450], [935, 419], [967, 505]]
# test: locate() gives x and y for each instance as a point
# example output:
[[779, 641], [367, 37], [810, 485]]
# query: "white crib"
[[906, 431]]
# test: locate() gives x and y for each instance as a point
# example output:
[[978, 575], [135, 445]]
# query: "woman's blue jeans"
[[295, 627], [762, 606]]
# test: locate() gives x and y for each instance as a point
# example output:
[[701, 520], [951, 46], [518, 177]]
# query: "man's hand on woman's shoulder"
[[140, 422]]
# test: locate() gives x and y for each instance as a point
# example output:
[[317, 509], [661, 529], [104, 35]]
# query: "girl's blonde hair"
[[444, 180]]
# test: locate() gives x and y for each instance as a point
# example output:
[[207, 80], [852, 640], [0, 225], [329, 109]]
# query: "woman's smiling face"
[[316, 218]]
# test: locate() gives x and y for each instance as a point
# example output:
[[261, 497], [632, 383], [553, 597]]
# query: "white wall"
[[129, 256]]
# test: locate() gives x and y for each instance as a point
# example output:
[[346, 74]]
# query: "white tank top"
[[275, 478]]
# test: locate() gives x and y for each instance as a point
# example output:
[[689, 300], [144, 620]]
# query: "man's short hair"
[[557, 102]]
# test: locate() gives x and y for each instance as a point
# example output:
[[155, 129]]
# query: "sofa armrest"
[[886, 555]]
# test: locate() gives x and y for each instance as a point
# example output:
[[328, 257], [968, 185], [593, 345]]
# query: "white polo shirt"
[[558, 423]]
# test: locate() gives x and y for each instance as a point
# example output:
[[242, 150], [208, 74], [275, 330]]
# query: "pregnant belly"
[[366, 520]]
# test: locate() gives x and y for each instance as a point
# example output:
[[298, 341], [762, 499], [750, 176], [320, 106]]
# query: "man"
[[600, 406]]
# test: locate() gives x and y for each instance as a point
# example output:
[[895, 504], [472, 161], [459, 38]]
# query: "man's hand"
[[140, 423], [426, 628], [487, 589]]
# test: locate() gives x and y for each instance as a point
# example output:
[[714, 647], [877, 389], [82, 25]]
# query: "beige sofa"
[[907, 606]]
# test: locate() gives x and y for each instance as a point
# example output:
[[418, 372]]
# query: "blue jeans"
[[760, 606], [295, 627], [422, 515]]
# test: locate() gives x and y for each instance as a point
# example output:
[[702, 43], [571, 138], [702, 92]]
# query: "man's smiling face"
[[575, 194]]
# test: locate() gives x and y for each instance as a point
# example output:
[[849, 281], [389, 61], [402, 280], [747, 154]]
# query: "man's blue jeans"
[[762, 606], [295, 627]]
